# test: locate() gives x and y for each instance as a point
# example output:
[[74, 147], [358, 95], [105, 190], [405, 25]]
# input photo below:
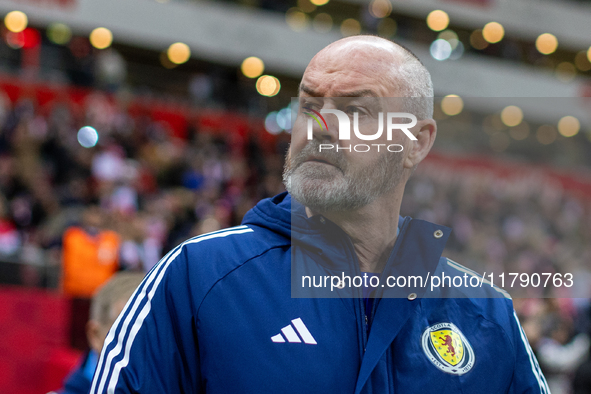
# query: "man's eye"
[[308, 107], [351, 109]]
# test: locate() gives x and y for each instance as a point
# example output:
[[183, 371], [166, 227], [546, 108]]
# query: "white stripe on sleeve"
[[129, 311], [146, 310]]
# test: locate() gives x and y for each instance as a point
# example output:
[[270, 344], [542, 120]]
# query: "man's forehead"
[[354, 91], [351, 70], [354, 57], [345, 83]]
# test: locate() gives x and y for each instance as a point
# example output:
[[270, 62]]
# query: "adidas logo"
[[291, 335]]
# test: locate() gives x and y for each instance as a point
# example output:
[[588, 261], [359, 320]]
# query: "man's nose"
[[326, 127]]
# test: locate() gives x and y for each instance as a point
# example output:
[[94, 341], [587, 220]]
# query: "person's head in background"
[[107, 304], [93, 219]]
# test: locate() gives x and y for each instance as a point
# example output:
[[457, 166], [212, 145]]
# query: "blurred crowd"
[[153, 190], [524, 223]]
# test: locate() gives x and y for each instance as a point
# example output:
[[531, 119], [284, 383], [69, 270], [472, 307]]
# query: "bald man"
[[306, 295]]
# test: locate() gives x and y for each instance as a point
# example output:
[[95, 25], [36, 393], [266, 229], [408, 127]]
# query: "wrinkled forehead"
[[352, 69]]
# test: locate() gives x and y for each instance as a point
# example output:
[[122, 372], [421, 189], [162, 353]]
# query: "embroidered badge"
[[448, 349]]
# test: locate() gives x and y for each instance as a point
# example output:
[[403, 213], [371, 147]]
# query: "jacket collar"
[[416, 251]]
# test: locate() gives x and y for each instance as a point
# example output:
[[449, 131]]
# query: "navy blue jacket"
[[217, 315]]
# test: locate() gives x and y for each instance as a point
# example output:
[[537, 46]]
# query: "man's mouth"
[[318, 160], [322, 160]]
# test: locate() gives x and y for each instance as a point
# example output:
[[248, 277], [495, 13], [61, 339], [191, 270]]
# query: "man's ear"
[[94, 335], [425, 132]]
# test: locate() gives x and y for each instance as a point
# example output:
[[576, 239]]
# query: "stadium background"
[[149, 110]]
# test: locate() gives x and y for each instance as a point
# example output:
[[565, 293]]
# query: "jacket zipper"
[[387, 266], [365, 321]]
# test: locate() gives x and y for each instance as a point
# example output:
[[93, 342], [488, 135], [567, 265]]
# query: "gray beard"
[[342, 187]]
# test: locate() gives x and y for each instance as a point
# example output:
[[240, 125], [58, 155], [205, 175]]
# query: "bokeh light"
[[387, 28], [101, 38], [178, 53], [268, 85], [493, 32], [546, 134], [28, 38], [452, 104], [15, 40], [520, 132], [448, 35], [477, 40], [440, 49], [284, 118], [456, 45], [88, 137], [59, 33], [319, 2], [296, 19], [380, 8], [511, 115], [31, 37], [306, 5], [437, 20], [322, 22], [566, 71], [546, 43], [582, 62], [271, 123], [16, 21], [568, 126], [350, 27], [252, 67], [457, 49]]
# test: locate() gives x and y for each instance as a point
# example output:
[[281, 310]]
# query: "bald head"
[[397, 71], [363, 43]]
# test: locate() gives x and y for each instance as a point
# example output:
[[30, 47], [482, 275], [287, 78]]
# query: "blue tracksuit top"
[[216, 315]]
